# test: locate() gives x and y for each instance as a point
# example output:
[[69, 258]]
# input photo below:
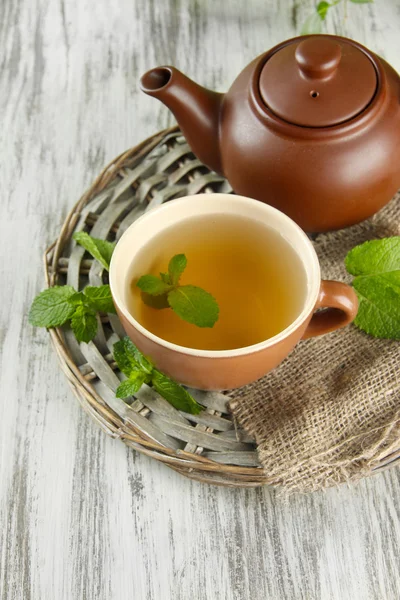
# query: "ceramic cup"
[[227, 369]]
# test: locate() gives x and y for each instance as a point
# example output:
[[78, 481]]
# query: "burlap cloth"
[[331, 410]]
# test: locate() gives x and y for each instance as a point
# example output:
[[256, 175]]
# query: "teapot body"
[[324, 179], [311, 127]]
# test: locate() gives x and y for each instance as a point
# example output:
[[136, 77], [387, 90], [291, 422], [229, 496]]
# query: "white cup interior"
[[175, 211]]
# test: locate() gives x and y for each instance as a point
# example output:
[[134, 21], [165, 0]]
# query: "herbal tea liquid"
[[254, 275]]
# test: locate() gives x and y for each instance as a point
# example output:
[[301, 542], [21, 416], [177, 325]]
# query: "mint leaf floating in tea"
[[155, 301], [376, 267], [51, 307], [150, 284], [165, 278], [140, 370], [194, 305], [101, 250], [189, 302], [154, 290], [176, 266], [58, 305]]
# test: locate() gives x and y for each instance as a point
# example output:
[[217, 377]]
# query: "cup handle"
[[341, 303]]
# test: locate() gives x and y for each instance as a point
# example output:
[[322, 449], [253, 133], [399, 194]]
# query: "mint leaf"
[[84, 323], [100, 298], [379, 305], [152, 285], [132, 385], [322, 9], [190, 303], [165, 278], [174, 393], [77, 299], [377, 256], [140, 370], [144, 363], [176, 266], [376, 266], [155, 301], [195, 305], [96, 297], [313, 24], [51, 307], [101, 250], [126, 363], [129, 358]]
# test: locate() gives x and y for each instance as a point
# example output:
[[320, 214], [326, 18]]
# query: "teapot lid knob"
[[318, 58]]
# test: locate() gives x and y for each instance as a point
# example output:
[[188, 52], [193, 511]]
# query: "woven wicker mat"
[[338, 423]]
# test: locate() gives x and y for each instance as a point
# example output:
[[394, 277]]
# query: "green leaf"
[[191, 303], [101, 250], [379, 305], [100, 298], [195, 305], [376, 265], [376, 256], [51, 307], [175, 394], [84, 323], [313, 24], [176, 266], [155, 301], [132, 385], [129, 358], [362, 1], [165, 278], [144, 363], [152, 285], [126, 363], [322, 9], [77, 299]]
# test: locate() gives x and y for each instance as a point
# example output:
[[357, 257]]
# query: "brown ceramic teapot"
[[311, 127]]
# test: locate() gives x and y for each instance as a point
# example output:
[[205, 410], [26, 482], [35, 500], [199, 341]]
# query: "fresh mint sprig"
[[140, 370], [59, 304], [376, 269], [101, 250], [189, 302], [314, 23]]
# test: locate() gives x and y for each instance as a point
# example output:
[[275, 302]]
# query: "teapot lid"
[[319, 81]]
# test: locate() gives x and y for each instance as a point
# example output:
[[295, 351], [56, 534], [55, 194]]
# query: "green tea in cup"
[[254, 274]]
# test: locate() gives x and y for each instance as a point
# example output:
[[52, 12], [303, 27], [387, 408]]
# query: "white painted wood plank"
[[81, 515]]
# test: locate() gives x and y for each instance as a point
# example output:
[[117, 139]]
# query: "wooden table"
[[83, 517]]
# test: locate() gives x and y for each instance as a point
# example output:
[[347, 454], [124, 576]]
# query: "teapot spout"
[[196, 109]]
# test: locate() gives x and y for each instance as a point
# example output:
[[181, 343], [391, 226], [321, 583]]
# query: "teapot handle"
[[340, 303]]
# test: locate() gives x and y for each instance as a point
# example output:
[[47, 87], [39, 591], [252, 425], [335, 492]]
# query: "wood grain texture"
[[83, 517]]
